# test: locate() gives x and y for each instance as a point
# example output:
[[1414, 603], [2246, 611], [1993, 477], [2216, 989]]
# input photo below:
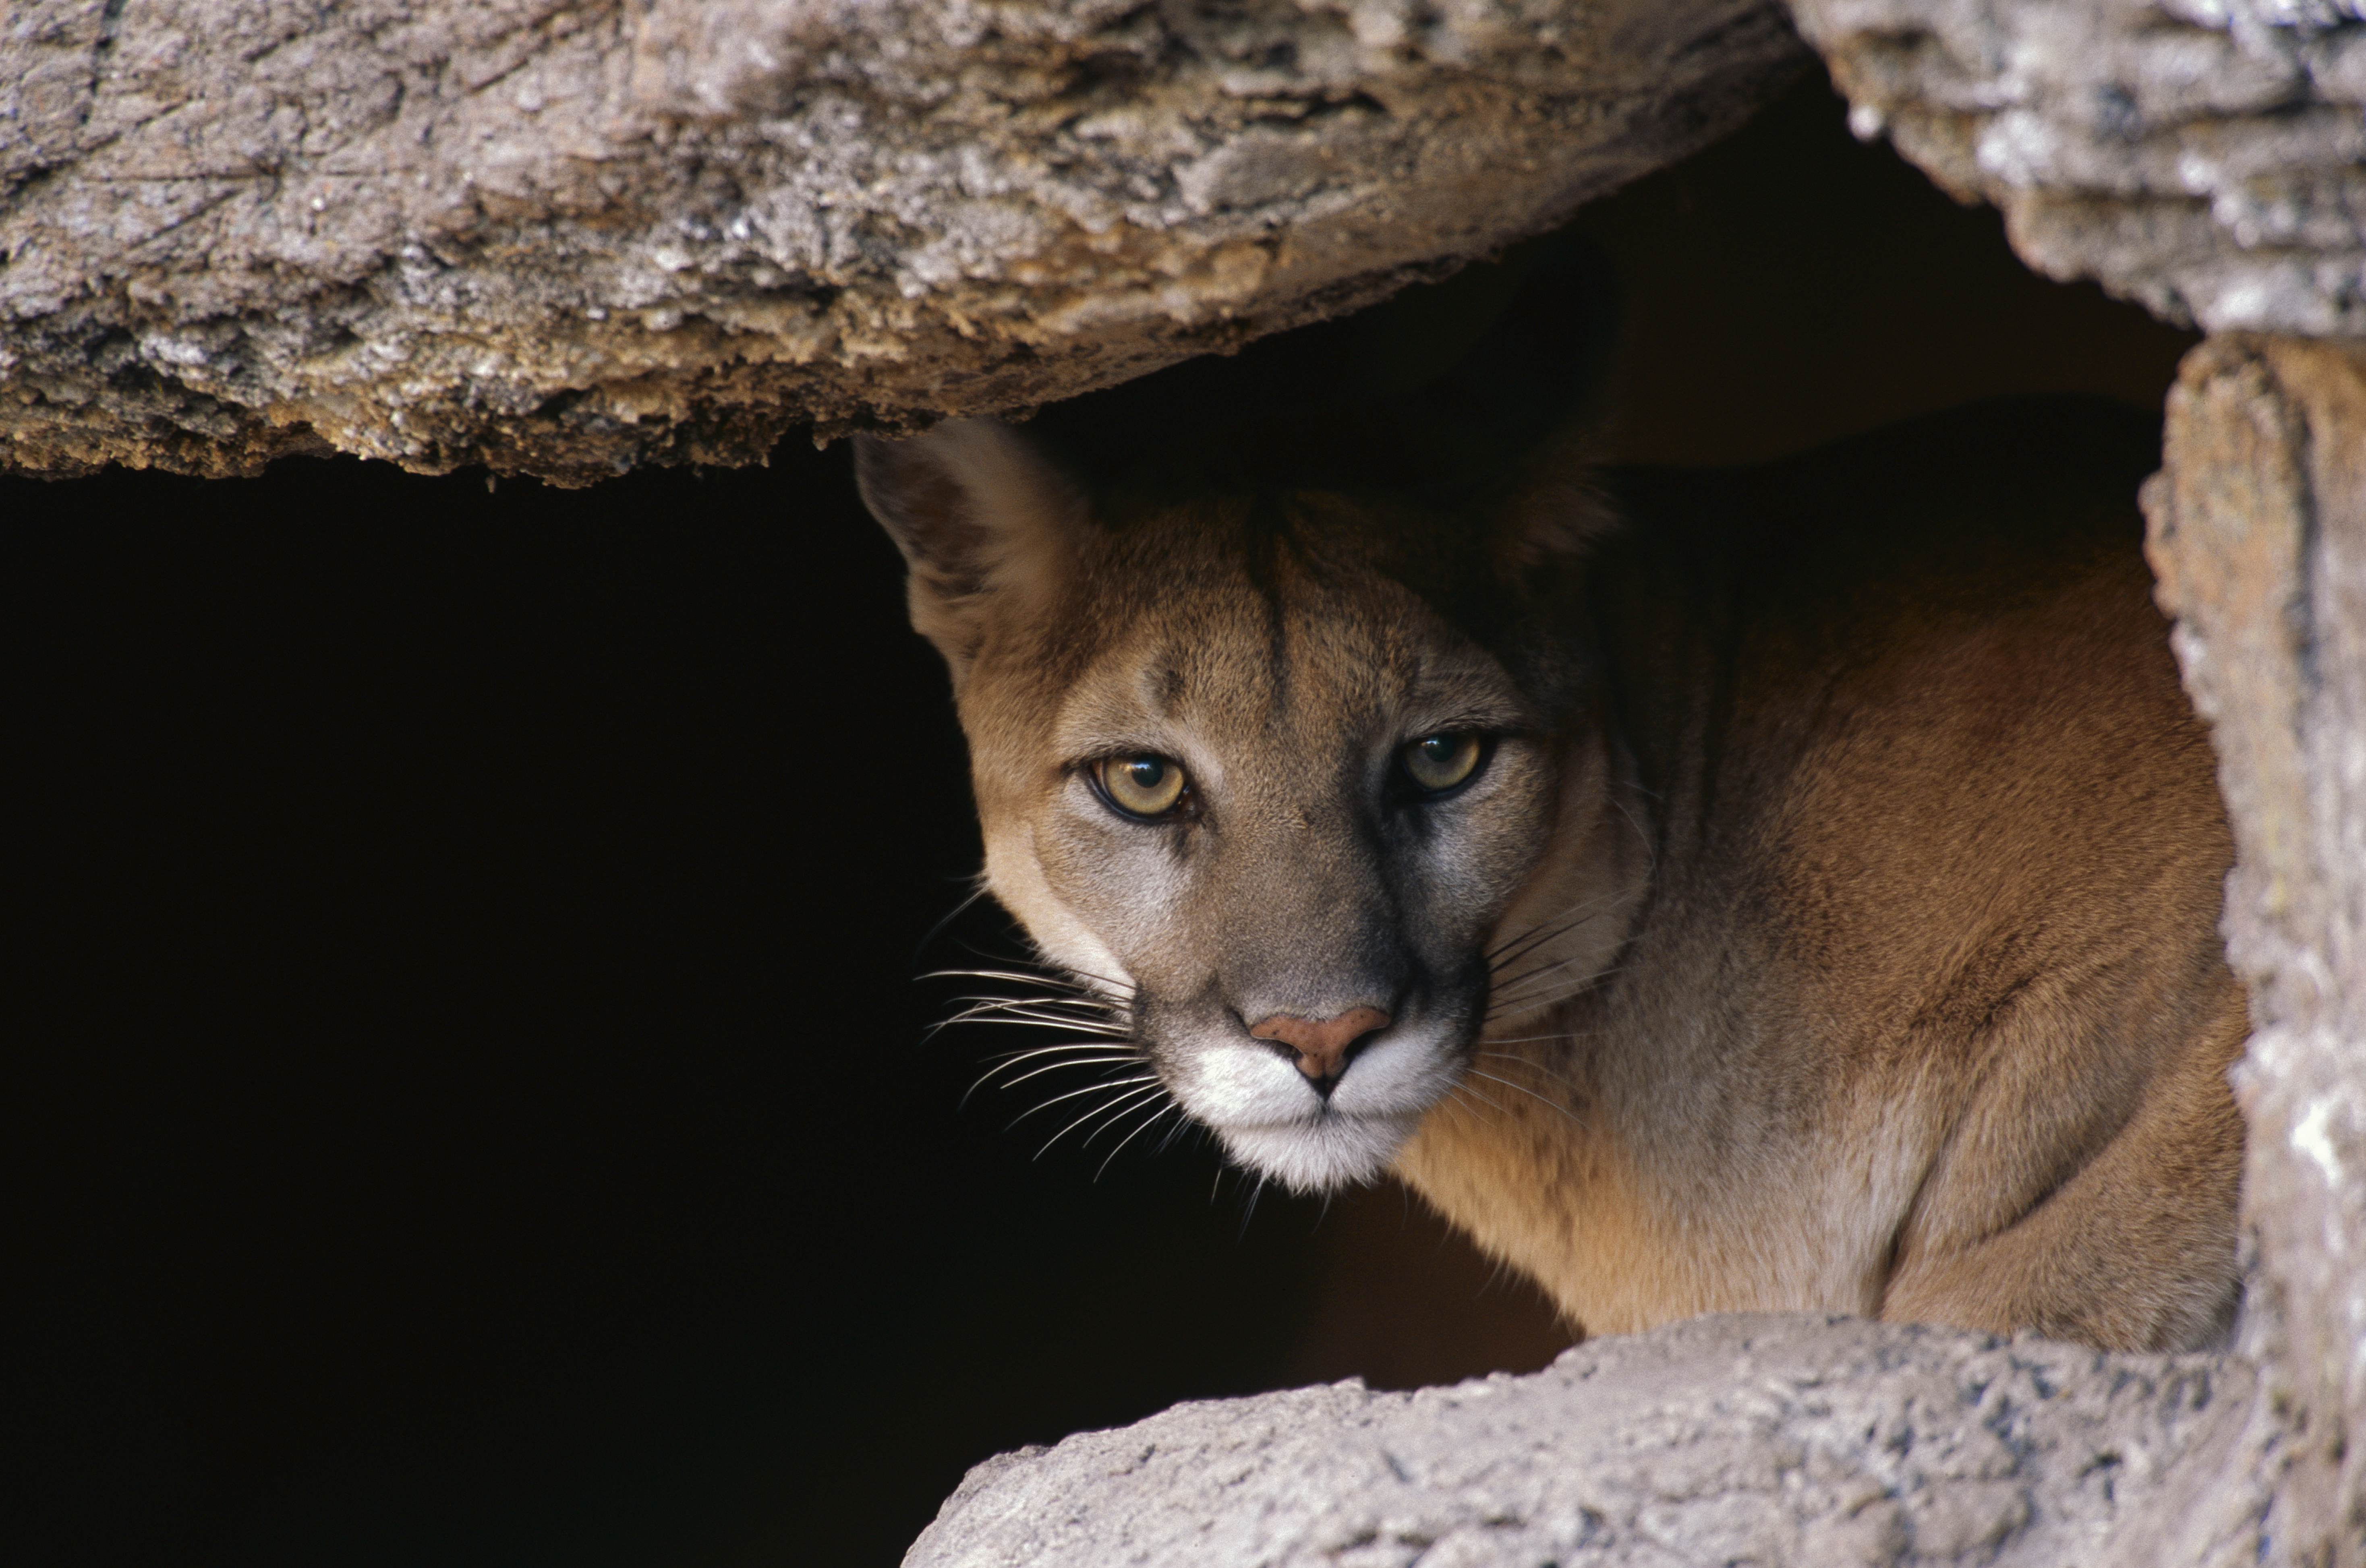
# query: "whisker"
[[1063, 1065], [1017, 1016], [952, 914], [1103, 1039], [1054, 1141], [1503, 989], [1522, 1006], [1104, 979], [1650, 850], [1027, 1020], [1023, 977], [1537, 998], [1552, 926], [1013, 1059], [1148, 1123], [1105, 1059], [1067, 1006], [1183, 1124], [1047, 999], [1072, 1046], [1515, 1059], [1489, 1100], [1095, 1018], [1501, 950], [1078, 1027], [1512, 982], [1038, 978], [1565, 918], [1087, 1089], [1533, 1065], [1529, 1093], [1118, 1110], [1096, 1110]]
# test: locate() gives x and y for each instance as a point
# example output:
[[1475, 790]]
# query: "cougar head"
[[1280, 775]]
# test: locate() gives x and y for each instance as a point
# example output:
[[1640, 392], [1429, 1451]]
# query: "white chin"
[[1319, 1154]]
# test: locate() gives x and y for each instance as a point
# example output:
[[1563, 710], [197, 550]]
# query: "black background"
[[469, 1096]]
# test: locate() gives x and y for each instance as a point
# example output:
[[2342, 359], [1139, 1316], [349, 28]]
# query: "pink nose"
[[1322, 1044]]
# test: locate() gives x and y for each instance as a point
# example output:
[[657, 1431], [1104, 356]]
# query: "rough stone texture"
[[1811, 1442], [2206, 157], [565, 238], [1757, 1440], [2258, 538]]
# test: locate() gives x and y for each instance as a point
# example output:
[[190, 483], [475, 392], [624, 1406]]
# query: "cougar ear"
[[987, 525], [1548, 533], [1545, 530]]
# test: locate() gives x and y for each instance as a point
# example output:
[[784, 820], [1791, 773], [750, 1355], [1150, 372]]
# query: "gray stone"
[[1761, 1439], [2258, 539], [2206, 157], [566, 238]]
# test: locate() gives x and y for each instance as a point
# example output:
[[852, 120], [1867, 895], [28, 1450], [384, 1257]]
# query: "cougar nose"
[[1322, 1044]]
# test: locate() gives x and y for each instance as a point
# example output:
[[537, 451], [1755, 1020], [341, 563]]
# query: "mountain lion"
[[1793, 888]]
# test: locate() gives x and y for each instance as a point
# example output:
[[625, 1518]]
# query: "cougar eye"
[[1141, 785], [1437, 763]]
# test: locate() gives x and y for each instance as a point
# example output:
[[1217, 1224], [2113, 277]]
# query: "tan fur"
[[1860, 854]]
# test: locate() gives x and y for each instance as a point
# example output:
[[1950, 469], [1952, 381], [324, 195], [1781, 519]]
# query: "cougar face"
[[1242, 779]]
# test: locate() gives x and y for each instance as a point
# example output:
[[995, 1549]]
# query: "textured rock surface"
[[2207, 157], [2258, 536], [1737, 1440], [568, 237]]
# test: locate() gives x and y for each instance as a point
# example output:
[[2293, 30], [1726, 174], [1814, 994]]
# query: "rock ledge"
[[566, 238], [1751, 1439]]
